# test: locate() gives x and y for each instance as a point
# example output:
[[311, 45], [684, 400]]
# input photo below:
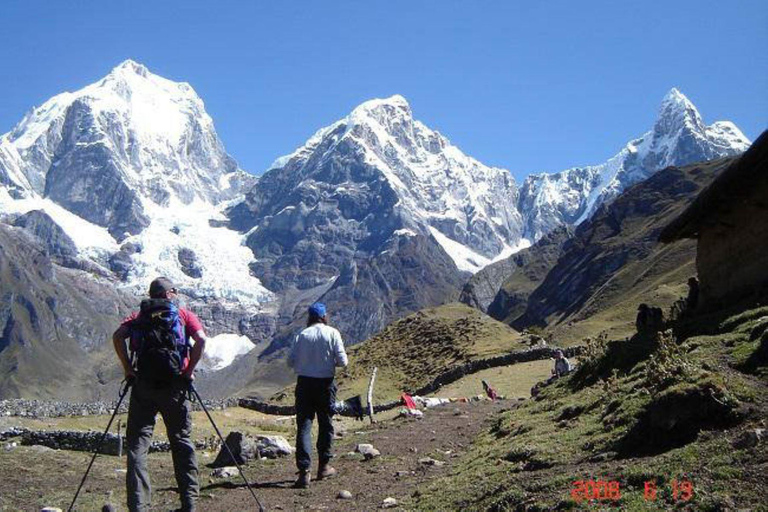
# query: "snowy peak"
[[155, 107], [151, 135], [677, 113], [678, 137], [385, 112], [132, 170], [131, 66], [435, 184]]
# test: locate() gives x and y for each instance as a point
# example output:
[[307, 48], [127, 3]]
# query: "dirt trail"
[[443, 434], [32, 477]]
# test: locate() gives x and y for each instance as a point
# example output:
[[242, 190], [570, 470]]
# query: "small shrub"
[[668, 364], [593, 353], [611, 383]]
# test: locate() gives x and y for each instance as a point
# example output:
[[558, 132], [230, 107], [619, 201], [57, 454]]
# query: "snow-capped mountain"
[[413, 176], [678, 137], [131, 168], [130, 137], [379, 213]]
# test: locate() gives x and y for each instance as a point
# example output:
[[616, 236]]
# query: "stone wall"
[[88, 441], [57, 409]]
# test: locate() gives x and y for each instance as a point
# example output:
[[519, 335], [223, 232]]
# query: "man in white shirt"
[[315, 354]]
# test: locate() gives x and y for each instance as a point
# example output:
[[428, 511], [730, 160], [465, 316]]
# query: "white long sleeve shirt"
[[317, 351]]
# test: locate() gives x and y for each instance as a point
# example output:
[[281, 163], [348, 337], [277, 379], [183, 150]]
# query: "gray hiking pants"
[[172, 403]]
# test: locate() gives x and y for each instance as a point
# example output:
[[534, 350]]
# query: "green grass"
[[529, 457], [513, 381]]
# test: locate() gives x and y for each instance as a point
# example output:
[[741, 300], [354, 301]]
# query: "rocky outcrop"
[[500, 287], [56, 242], [189, 264], [51, 317]]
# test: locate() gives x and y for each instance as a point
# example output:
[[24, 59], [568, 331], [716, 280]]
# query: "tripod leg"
[[231, 455], [98, 446]]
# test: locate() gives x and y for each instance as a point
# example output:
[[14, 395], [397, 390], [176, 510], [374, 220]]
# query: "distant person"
[[489, 391], [315, 354], [693, 294], [165, 361], [643, 317], [562, 365], [657, 319]]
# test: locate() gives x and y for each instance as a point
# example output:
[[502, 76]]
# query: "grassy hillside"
[[658, 409], [55, 324], [614, 262], [412, 351]]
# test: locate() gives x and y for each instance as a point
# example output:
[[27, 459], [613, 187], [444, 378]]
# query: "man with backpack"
[[159, 338], [315, 354]]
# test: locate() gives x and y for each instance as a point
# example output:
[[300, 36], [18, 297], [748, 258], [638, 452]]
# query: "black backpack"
[[159, 341]]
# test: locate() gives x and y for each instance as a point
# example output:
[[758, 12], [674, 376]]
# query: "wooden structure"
[[729, 219]]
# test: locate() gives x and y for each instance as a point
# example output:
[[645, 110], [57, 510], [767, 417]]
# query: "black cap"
[[160, 286]]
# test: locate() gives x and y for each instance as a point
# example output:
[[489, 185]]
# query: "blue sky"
[[529, 86]]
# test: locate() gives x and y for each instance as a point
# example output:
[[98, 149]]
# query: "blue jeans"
[[314, 397]]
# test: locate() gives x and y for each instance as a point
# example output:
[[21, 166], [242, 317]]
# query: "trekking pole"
[[123, 392], [231, 455]]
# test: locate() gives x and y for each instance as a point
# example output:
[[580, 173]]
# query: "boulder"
[[273, 447], [243, 448], [246, 448]]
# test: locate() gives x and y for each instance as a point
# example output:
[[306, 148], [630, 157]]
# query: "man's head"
[[558, 354], [162, 288], [317, 313]]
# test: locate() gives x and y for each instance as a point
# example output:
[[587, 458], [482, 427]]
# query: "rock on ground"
[[389, 503], [368, 451], [749, 438], [225, 472], [344, 495]]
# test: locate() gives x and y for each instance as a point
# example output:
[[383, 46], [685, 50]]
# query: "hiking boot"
[[325, 471], [304, 478]]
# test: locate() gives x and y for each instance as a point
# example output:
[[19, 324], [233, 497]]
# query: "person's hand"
[[130, 376], [189, 375]]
